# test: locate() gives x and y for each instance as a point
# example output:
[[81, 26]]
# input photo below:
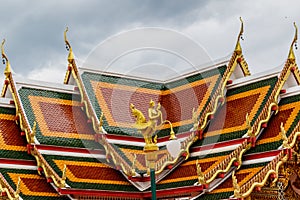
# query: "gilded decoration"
[[200, 174], [148, 128]]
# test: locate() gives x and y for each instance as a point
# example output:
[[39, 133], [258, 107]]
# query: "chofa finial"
[[68, 47], [7, 70], [242, 29], [294, 43], [238, 48]]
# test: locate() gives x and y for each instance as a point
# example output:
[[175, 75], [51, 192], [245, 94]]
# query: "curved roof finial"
[[242, 29], [294, 42], [68, 47], [238, 48], [7, 70]]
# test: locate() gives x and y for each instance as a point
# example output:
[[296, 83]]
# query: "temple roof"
[[79, 140]]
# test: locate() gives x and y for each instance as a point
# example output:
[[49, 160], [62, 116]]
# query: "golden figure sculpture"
[[138, 115], [148, 128]]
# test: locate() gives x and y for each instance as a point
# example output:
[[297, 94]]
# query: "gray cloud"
[[34, 29]]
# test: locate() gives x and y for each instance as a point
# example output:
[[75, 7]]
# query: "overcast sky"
[[34, 29]]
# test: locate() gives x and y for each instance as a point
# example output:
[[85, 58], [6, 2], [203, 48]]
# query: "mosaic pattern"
[[113, 95], [32, 185], [60, 120], [89, 173], [10, 139], [230, 118], [289, 115], [186, 173], [12, 145], [176, 105], [243, 175]]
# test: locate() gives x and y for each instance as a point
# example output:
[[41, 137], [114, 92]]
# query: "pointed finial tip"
[[66, 30], [65, 34], [242, 26], [2, 46], [240, 37], [68, 46], [296, 31], [291, 56]]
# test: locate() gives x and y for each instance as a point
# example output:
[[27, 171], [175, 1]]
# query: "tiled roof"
[[12, 144], [89, 173], [289, 115], [32, 186], [60, 120], [225, 189], [66, 133], [230, 121], [186, 173], [112, 96], [16, 162]]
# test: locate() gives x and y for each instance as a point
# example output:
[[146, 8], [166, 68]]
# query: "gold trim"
[[297, 134], [200, 174], [111, 121], [236, 187], [229, 164], [263, 182], [30, 191], [291, 56], [269, 111], [211, 108], [283, 160], [70, 58], [239, 160], [7, 70], [5, 187], [48, 171], [69, 48], [33, 133], [230, 69], [238, 48], [24, 125]]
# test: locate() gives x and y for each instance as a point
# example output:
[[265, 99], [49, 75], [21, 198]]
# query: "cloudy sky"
[[34, 29]]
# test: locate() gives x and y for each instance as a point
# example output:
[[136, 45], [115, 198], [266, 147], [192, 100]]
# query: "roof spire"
[[291, 53], [68, 47], [7, 70], [238, 48]]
